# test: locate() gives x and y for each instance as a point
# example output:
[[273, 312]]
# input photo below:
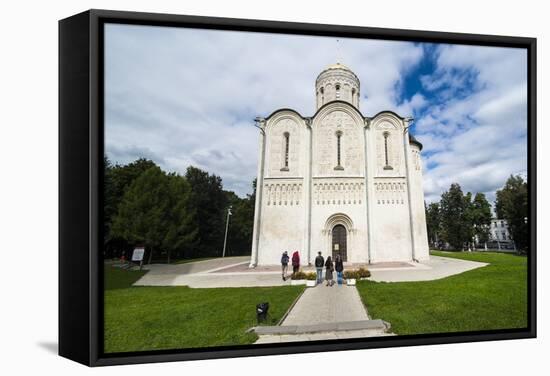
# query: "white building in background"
[[338, 182], [499, 236], [499, 230]]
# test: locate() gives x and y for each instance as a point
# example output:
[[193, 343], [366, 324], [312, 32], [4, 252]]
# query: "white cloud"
[[190, 96], [482, 134]]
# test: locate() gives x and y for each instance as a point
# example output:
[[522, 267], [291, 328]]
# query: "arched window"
[[338, 151], [322, 96], [337, 91], [353, 96], [387, 165], [286, 140]]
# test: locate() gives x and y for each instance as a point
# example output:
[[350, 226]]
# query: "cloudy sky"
[[188, 97]]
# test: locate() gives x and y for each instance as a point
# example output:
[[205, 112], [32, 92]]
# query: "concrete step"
[[322, 332], [378, 325]]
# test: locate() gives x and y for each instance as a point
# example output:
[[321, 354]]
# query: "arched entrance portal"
[[340, 242], [339, 232]]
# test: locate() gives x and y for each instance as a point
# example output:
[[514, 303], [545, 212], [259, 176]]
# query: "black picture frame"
[[80, 184]]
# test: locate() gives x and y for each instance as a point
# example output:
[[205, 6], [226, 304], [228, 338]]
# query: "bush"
[[350, 274], [356, 274], [311, 276], [298, 275], [363, 273]]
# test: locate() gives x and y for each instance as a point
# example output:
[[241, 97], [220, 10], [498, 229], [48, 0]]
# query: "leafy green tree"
[[117, 179], [155, 212], [481, 217], [468, 222], [109, 201], [239, 239], [433, 222], [180, 231], [209, 203], [454, 217], [124, 175], [141, 213], [512, 204]]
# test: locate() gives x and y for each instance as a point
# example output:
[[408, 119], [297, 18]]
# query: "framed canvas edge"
[[97, 17]]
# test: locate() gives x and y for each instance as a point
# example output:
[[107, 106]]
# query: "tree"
[[481, 217], [116, 180], [239, 240], [454, 220], [109, 201], [209, 203], [512, 204], [140, 218], [433, 222], [155, 212], [180, 231], [468, 222]]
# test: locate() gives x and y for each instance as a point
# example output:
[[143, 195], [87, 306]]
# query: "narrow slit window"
[[387, 165], [339, 151], [287, 148]]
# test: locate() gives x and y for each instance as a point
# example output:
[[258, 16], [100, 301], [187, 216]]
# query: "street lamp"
[[226, 228]]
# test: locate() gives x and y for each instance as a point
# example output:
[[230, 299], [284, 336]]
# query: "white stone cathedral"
[[338, 182]]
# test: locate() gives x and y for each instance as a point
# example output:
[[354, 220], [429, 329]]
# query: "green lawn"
[[491, 297], [116, 278], [154, 318]]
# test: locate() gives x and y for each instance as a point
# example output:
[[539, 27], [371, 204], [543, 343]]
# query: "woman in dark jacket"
[[295, 262], [329, 269], [339, 266]]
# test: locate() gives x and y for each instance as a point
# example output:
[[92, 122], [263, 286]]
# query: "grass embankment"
[[487, 298], [155, 318]]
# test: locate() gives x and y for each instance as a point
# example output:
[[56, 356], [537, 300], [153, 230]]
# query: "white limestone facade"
[[338, 182]]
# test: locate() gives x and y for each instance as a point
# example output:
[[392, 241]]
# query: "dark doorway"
[[339, 242]]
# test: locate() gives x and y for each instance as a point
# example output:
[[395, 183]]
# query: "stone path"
[[234, 272], [434, 268], [323, 304], [193, 274], [324, 313]]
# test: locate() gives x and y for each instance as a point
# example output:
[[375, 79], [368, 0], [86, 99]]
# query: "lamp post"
[[226, 228]]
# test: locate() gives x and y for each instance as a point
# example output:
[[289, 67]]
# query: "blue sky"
[[188, 97]]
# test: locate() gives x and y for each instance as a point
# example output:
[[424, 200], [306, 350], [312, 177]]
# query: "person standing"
[[295, 262], [339, 266], [319, 263], [284, 263], [329, 270]]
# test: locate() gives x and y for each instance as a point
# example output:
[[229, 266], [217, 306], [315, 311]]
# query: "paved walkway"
[[191, 273], [324, 313], [234, 272], [324, 304], [435, 268]]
